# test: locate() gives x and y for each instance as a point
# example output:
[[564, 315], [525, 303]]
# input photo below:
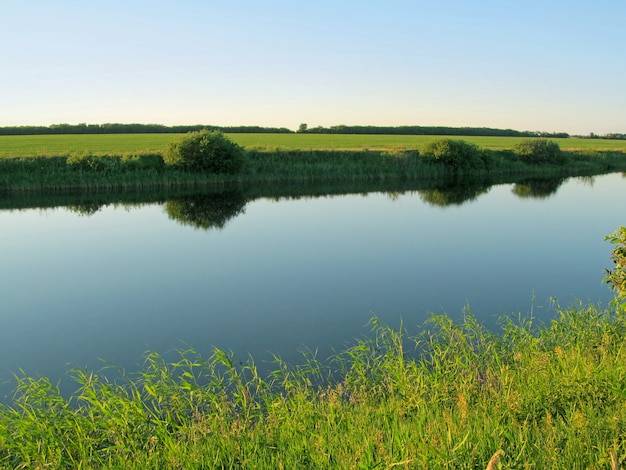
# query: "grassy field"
[[119, 162], [52, 145]]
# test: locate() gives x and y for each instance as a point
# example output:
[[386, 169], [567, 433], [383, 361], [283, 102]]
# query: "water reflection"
[[306, 272], [86, 209], [455, 192], [206, 211], [537, 188], [213, 208]]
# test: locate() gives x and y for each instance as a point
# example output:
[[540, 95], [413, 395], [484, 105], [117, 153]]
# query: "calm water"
[[288, 274]]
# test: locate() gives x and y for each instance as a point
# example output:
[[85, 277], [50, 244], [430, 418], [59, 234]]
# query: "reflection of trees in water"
[[392, 195], [539, 188], [206, 211], [454, 193], [86, 209]]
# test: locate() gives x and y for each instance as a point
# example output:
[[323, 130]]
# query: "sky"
[[553, 66]]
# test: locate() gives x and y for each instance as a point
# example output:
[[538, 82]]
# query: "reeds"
[[453, 396], [146, 171]]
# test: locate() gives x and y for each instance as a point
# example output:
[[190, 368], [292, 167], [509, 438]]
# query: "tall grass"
[[453, 396], [147, 171]]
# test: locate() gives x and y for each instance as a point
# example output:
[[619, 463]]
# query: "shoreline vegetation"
[[146, 170], [453, 396]]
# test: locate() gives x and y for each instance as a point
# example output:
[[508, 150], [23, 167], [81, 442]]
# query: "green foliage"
[[616, 277], [538, 151], [205, 151], [97, 163], [111, 164], [454, 153], [143, 161]]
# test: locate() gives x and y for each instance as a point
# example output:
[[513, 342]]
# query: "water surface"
[[258, 276]]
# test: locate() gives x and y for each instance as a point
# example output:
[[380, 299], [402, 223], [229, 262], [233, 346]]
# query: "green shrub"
[[95, 163], [454, 153], [539, 151], [616, 277], [205, 151], [143, 161]]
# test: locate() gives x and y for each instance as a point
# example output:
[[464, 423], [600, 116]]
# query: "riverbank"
[[147, 171], [550, 396]]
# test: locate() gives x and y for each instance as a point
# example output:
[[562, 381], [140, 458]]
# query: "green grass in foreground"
[[450, 397], [55, 145]]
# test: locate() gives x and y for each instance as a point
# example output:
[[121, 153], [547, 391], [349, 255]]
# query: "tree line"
[[116, 128], [427, 130], [610, 136]]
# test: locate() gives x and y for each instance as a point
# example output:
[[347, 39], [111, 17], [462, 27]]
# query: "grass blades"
[[147, 171], [453, 396]]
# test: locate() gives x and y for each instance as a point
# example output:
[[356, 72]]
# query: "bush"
[[143, 161], [616, 277], [205, 151], [454, 153], [94, 163], [539, 151]]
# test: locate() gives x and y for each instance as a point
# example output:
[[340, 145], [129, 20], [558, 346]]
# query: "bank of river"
[[147, 171]]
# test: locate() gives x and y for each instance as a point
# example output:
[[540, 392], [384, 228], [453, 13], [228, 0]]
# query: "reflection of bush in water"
[[456, 194], [206, 211], [539, 188], [86, 209]]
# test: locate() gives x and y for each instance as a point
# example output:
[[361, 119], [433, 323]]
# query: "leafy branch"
[[616, 277]]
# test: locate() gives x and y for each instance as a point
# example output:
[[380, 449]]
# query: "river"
[[81, 283]]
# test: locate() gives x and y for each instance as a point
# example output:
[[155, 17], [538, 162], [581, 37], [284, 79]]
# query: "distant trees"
[[430, 130], [609, 136], [115, 128]]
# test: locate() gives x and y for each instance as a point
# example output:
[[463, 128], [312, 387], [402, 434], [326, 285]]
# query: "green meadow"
[[100, 144]]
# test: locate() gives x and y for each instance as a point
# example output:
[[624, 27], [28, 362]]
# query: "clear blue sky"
[[534, 65]]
